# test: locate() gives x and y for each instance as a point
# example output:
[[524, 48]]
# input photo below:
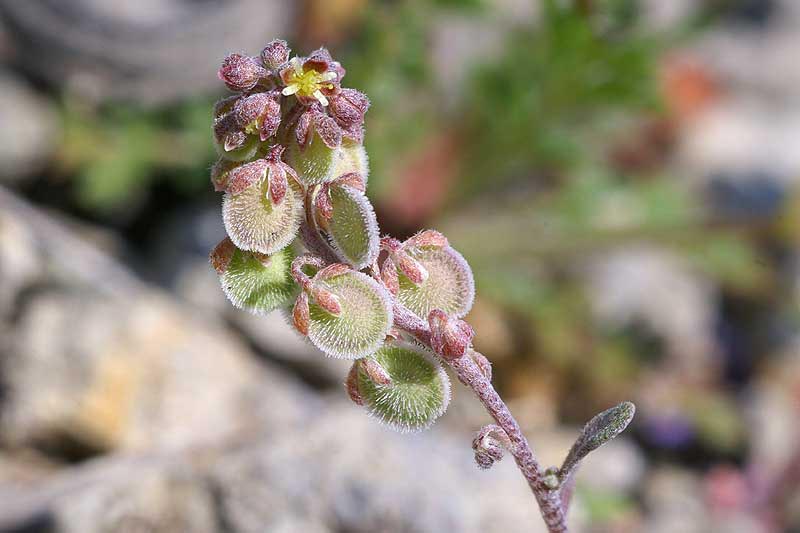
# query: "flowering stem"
[[470, 375]]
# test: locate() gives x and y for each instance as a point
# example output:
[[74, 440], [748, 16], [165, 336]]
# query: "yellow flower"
[[304, 81]]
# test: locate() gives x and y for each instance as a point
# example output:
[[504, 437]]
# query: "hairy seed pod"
[[353, 228], [258, 283], [315, 163], [364, 318], [351, 158], [419, 391], [449, 285], [255, 223]]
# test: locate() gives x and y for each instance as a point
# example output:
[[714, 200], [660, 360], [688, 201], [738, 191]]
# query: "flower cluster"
[[302, 234]]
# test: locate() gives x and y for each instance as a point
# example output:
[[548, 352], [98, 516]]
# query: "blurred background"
[[623, 176]]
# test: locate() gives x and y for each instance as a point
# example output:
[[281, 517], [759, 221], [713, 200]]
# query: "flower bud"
[[450, 337], [301, 314], [240, 72], [245, 176], [490, 444], [258, 113], [275, 54], [351, 385], [349, 107], [221, 255]]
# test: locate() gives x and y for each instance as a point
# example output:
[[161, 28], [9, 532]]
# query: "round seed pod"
[[315, 164], [351, 157], [259, 283], [449, 284], [419, 391], [255, 224], [363, 322], [353, 229]]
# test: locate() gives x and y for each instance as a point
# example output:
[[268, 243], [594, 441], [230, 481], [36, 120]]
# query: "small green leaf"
[[315, 164], [598, 431], [259, 283], [419, 391], [449, 285], [353, 230], [363, 322], [253, 223]]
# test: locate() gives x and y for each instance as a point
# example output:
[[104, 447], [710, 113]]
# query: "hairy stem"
[[470, 375]]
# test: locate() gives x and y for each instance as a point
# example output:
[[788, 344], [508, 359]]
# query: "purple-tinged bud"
[[258, 113], [409, 266], [352, 179], [490, 444], [427, 237], [450, 337], [332, 270], [242, 177], [389, 276], [328, 130], [351, 385], [275, 54], [302, 131], [375, 372], [240, 72], [323, 202], [349, 107], [326, 300], [319, 60], [221, 255], [220, 173], [278, 184], [301, 313]]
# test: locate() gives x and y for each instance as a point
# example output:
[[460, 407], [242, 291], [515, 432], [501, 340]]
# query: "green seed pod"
[[259, 283], [353, 229], [254, 223], [315, 164], [351, 157], [364, 319], [419, 391], [449, 285]]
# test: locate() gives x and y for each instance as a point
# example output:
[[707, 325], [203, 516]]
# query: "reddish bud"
[[323, 203], [351, 385], [277, 182], [409, 266], [275, 54], [450, 337], [375, 372], [332, 270], [221, 255], [328, 130], [224, 106], [351, 179], [389, 276], [489, 445], [242, 177], [427, 238], [258, 113], [301, 314], [349, 107], [240, 73], [302, 131], [326, 300]]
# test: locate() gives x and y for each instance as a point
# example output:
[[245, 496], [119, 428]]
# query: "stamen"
[[321, 97], [290, 89]]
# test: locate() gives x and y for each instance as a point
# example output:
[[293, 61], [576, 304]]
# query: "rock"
[[340, 471], [149, 51], [30, 129], [98, 361]]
